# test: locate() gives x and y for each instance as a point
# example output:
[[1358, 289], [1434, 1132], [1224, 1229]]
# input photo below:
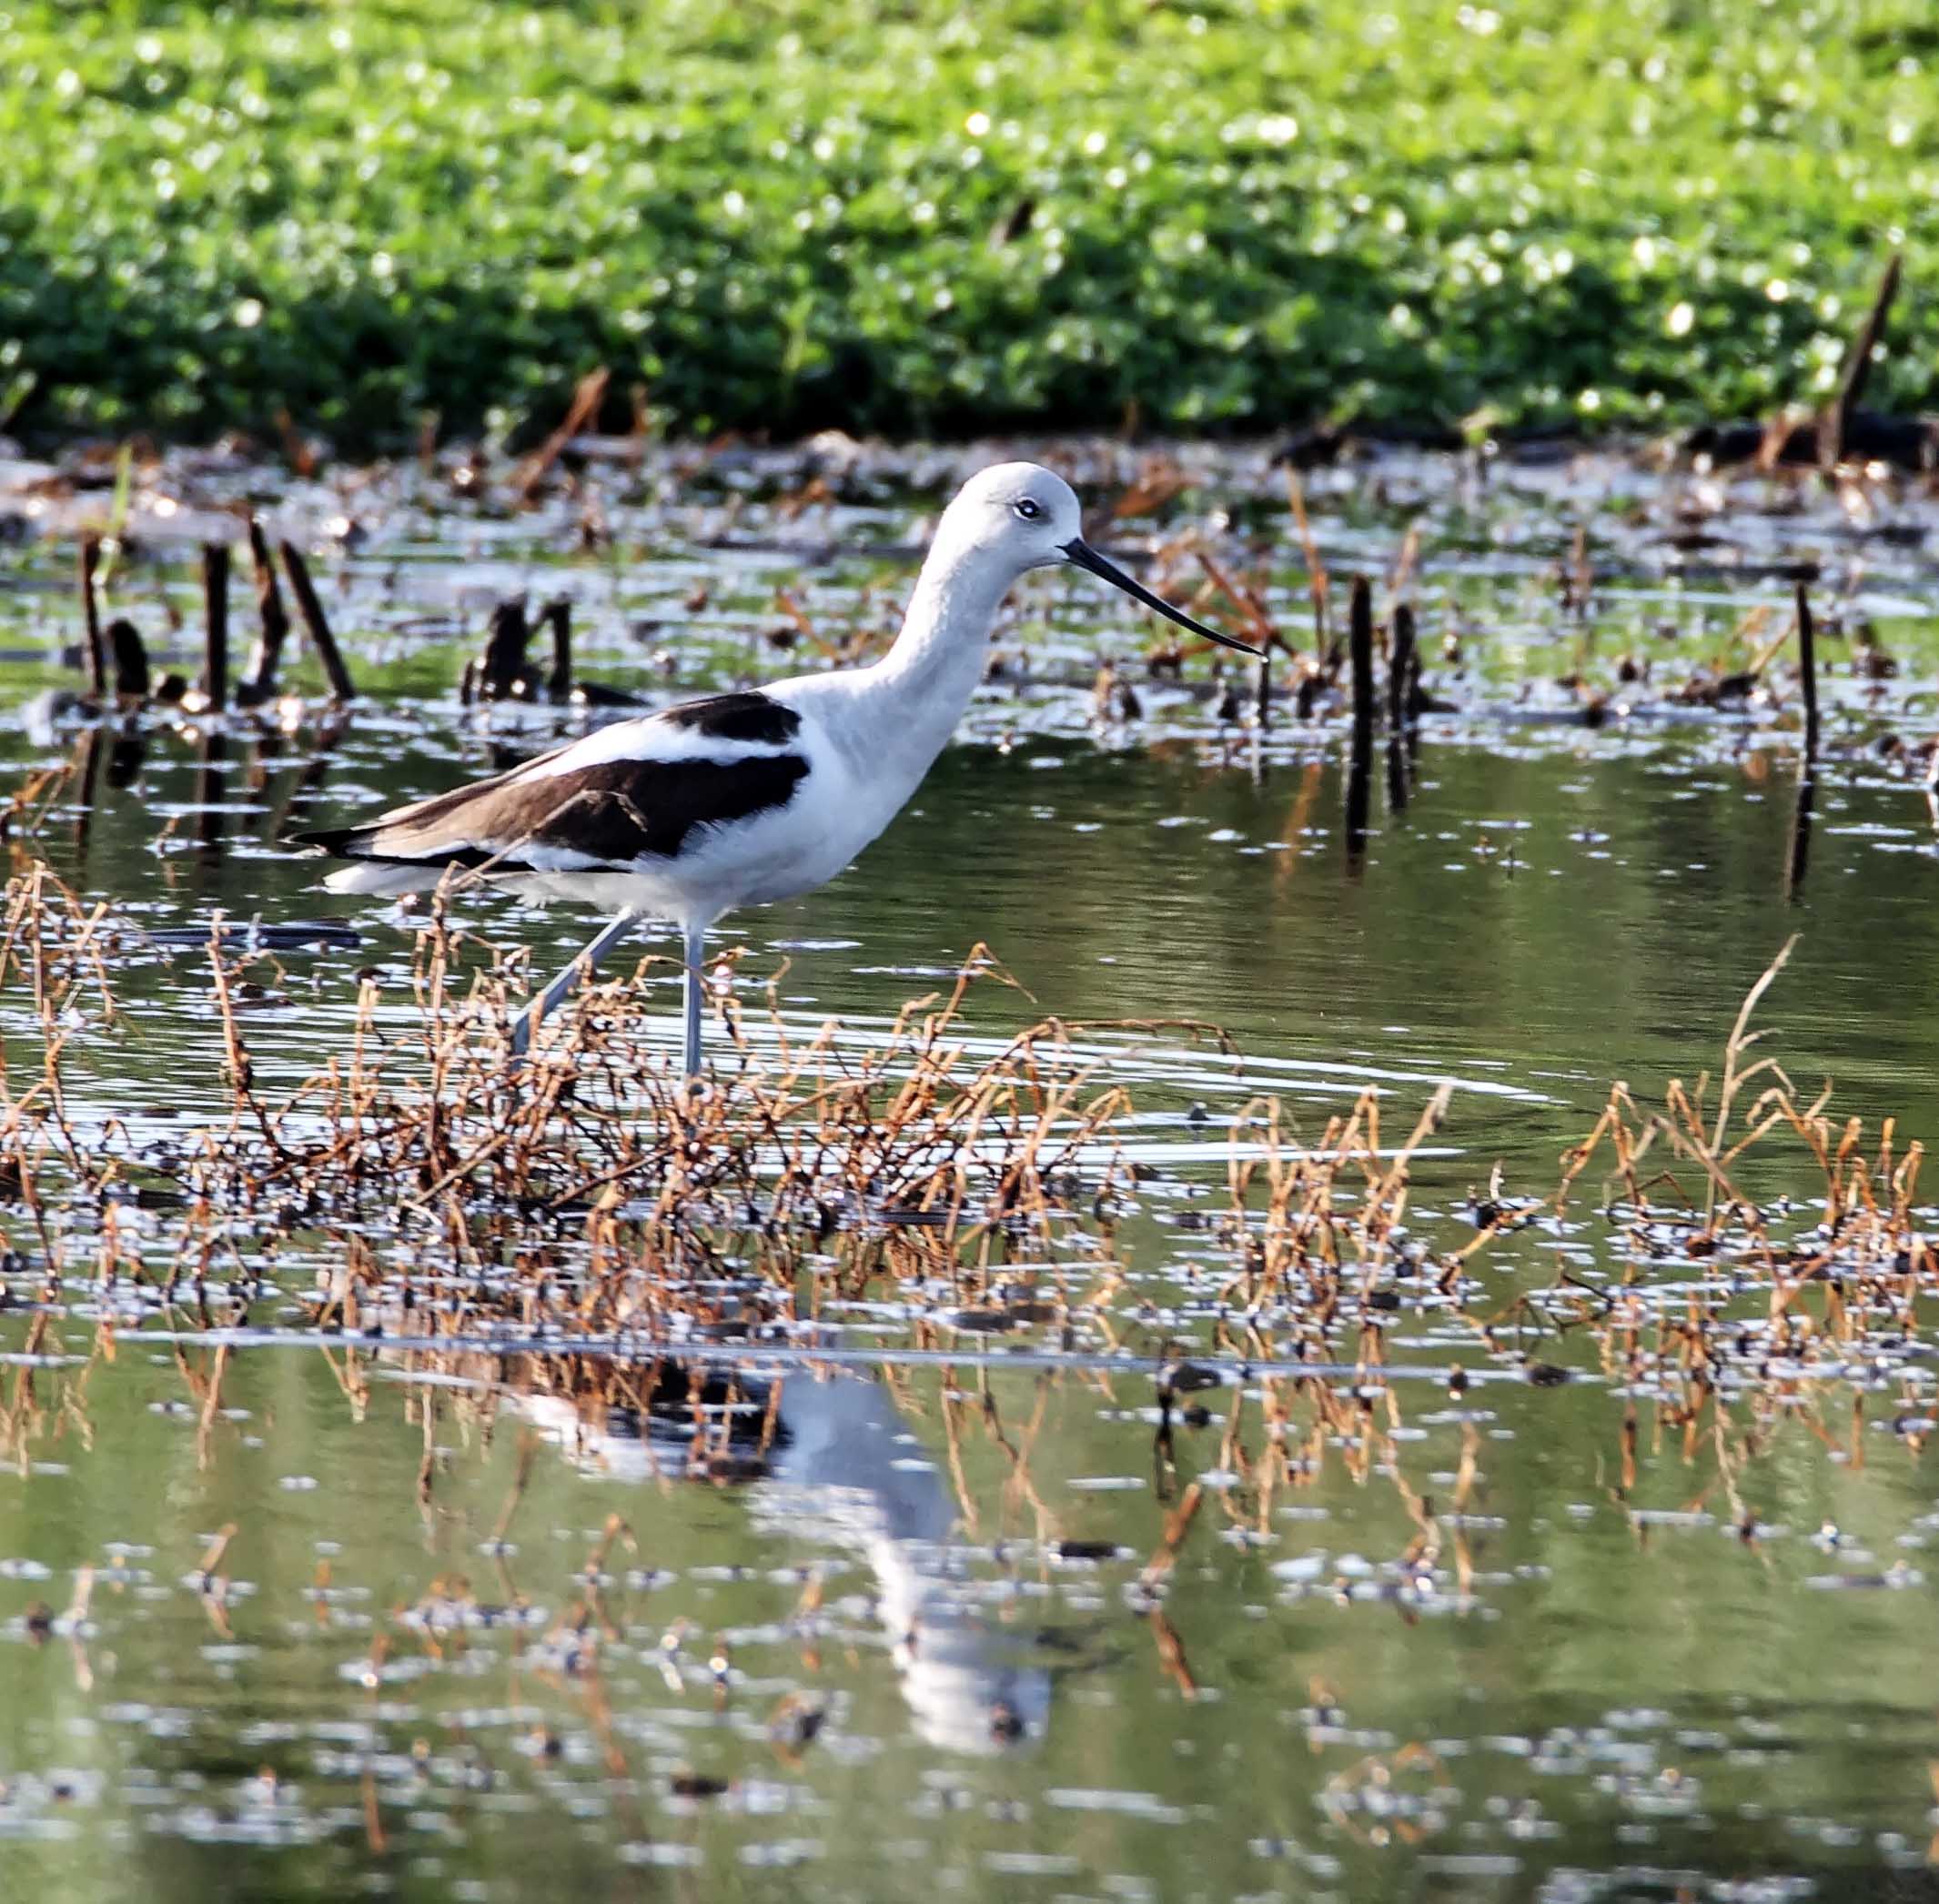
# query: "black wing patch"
[[616, 810], [749, 717]]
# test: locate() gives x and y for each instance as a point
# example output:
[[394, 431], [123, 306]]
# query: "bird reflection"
[[842, 1469]]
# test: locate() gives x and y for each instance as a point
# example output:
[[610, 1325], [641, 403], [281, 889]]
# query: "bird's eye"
[[1027, 508]]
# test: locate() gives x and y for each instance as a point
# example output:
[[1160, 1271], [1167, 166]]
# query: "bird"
[[698, 809]]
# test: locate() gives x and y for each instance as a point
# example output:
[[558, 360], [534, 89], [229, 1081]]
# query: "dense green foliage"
[[920, 215]]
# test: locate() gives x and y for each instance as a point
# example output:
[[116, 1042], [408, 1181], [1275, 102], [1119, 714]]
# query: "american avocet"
[[741, 799]]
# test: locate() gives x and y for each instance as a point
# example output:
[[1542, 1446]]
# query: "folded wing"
[[639, 789]]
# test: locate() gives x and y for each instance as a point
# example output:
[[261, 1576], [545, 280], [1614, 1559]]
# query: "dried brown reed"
[[590, 1194], [1700, 1203], [942, 1150]]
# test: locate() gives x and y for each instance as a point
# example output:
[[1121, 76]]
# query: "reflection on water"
[[1594, 1564], [841, 1470], [350, 1624]]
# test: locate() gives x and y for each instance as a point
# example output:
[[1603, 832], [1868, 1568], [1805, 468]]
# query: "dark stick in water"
[[1400, 669], [91, 614], [315, 621], [211, 785], [1808, 675], [501, 667], [1360, 765], [215, 601], [90, 775], [1402, 662], [131, 660], [557, 615], [127, 749], [1396, 769], [1799, 852], [1360, 648], [260, 684], [1799, 849]]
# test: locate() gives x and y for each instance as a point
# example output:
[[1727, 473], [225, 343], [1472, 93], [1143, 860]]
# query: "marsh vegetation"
[[1245, 1317]]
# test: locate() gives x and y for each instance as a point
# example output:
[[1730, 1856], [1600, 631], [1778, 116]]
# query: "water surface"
[[1476, 1636]]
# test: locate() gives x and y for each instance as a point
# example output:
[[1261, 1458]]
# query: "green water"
[[1616, 1696], [1712, 1677], [1608, 1703]]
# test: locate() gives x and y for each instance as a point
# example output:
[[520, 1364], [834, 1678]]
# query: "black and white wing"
[[638, 789]]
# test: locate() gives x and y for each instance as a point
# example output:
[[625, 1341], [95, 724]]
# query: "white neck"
[[914, 695]]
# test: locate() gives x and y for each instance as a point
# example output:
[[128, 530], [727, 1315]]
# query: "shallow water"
[[1604, 1701], [1486, 1639]]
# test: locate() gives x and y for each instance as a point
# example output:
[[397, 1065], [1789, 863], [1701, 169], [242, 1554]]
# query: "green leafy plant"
[[1242, 213]]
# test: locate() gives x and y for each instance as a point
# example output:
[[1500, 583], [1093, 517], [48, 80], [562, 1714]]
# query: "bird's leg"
[[695, 950], [589, 956]]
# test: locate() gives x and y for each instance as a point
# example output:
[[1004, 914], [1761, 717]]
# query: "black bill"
[[1084, 557]]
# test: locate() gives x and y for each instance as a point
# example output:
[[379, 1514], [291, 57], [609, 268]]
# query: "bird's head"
[[1021, 516]]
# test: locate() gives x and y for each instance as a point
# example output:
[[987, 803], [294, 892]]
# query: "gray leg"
[[694, 951], [590, 957]]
